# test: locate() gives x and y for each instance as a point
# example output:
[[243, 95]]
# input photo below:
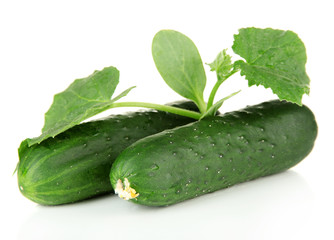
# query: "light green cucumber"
[[214, 153]]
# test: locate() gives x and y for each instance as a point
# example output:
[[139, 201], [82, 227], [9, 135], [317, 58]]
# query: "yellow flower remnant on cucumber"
[[127, 192]]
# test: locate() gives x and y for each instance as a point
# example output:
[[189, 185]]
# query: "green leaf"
[[222, 65], [84, 98], [215, 107], [275, 59], [180, 65]]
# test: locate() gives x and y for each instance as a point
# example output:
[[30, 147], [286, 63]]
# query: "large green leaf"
[[84, 98], [275, 59], [180, 65]]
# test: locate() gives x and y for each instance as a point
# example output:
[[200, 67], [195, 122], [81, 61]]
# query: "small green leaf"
[[222, 65], [215, 107], [84, 98], [180, 65], [123, 94], [275, 59]]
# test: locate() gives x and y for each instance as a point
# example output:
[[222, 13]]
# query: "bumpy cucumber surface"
[[75, 165], [215, 153]]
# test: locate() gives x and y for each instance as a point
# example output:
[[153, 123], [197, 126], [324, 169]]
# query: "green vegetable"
[[69, 161], [75, 165], [214, 153]]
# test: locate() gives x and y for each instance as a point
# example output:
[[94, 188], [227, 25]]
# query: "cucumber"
[[75, 165], [214, 153]]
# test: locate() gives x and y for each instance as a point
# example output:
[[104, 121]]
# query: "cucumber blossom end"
[[125, 192]]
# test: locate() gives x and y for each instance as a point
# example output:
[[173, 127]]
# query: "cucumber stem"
[[214, 90], [213, 93], [165, 108]]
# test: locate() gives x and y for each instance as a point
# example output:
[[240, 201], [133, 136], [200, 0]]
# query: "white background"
[[45, 45]]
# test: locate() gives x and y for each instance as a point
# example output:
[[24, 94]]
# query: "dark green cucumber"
[[75, 165], [215, 153]]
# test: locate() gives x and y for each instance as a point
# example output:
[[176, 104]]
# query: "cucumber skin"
[[75, 165], [217, 152]]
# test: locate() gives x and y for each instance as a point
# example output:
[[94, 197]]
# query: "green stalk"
[[213, 93], [165, 108], [216, 87]]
